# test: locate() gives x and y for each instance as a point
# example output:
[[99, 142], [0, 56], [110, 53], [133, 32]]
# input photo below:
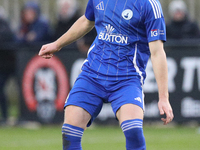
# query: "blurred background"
[[49, 9], [33, 90]]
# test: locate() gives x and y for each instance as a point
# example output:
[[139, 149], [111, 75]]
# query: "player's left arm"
[[159, 62]]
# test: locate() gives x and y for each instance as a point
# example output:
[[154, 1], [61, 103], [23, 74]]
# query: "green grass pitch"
[[98, 138]]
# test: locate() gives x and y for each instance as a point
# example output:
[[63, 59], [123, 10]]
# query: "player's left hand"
[[165, 108]]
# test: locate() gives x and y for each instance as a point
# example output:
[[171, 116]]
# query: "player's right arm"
[[159, 62], [78, 30]]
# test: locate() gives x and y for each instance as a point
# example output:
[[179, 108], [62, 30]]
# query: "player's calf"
[[133, 131]]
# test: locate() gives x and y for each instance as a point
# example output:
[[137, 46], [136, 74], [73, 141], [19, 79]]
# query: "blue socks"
[[71, 137], [133, 131]]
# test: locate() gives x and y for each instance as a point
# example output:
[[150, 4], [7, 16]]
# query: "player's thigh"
[[83, 103], [129, 112], [128, 100], [76, 116]]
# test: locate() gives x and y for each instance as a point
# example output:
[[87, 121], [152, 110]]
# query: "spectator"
[[6, 63], [68, 13], [6, 34], [180, 26], [34, 28]]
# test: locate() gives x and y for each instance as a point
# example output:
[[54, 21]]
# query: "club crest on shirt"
[[127, 14]]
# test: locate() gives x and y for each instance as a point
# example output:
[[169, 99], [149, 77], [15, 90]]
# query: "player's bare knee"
[[76, 116]]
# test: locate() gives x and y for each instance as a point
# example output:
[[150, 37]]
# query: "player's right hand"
[[48, 50], [165, 108]]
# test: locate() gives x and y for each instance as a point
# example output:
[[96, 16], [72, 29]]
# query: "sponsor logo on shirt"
[[109, 36], [127, 14], [154, 33], [100, 6], [157, 32]]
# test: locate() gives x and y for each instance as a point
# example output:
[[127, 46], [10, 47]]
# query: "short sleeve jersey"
[[124, 29]]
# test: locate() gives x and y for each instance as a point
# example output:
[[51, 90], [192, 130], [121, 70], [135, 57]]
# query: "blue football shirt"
[[124, 29]]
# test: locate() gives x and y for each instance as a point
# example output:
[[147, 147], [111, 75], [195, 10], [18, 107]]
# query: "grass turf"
[[98, 138]]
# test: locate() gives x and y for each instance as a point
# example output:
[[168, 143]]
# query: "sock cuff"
[[72, 130], [130, 124]]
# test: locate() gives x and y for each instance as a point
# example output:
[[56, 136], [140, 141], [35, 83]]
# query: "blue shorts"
[[90, 94]]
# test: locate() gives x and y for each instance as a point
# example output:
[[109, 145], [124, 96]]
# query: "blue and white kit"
[[114, 70]]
